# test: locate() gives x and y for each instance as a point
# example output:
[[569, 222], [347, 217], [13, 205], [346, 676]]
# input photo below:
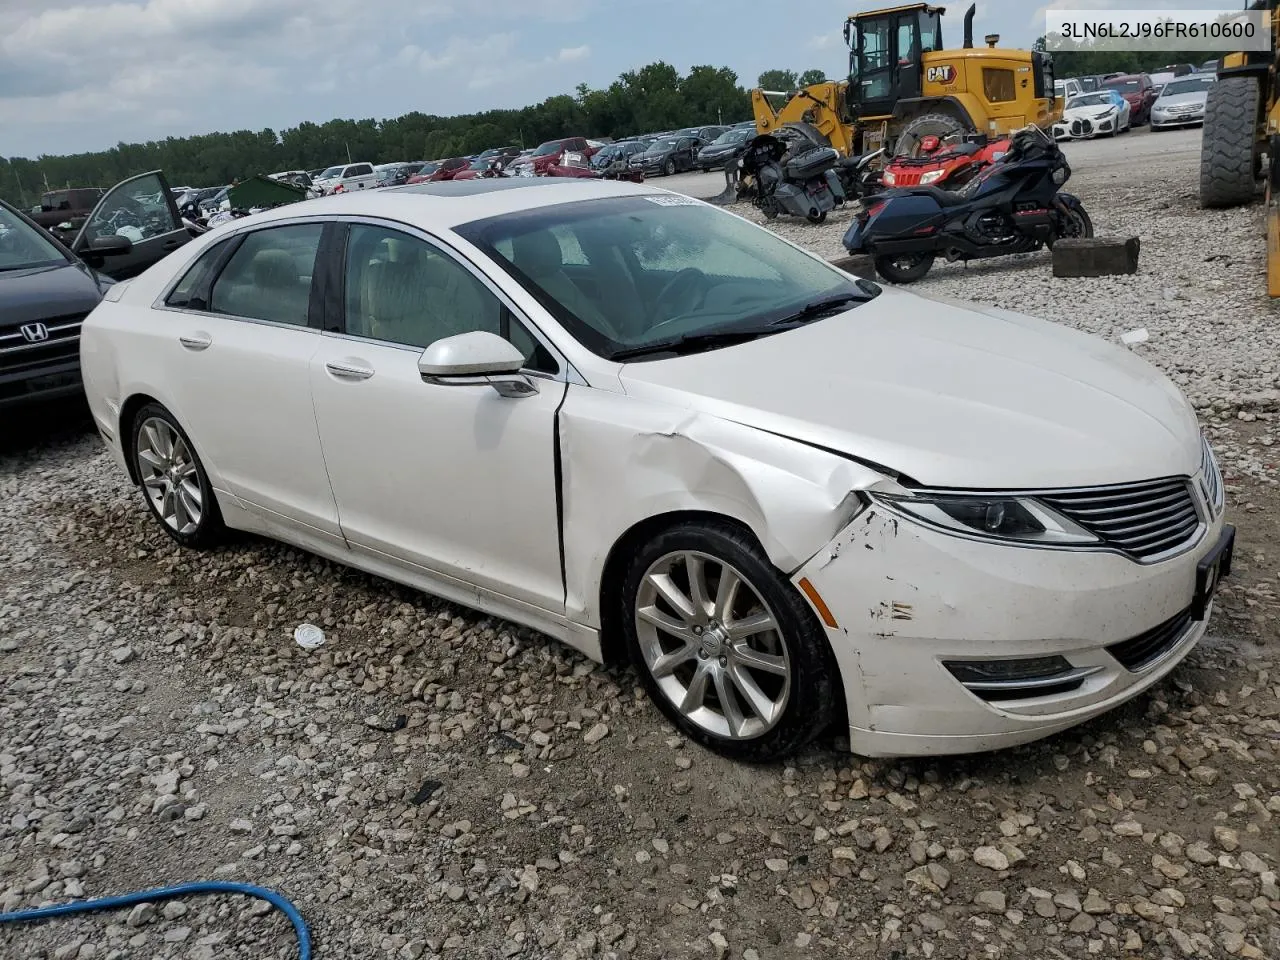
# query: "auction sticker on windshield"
[[673, 200]]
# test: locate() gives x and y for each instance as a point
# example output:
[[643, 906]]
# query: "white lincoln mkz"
[[651, 429]]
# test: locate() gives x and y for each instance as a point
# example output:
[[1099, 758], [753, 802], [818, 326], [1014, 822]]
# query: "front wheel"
[[669, 167], [816, 216], [769, 207], [904, 268], [1073, 221], [726, 647]]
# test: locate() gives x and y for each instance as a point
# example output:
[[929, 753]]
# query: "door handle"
[[196, 341], [347, 371], [173, 244]]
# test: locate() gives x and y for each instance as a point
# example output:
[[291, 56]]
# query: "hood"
[[1088, 113], [42, 293], [714, 148], [948, 394], [1193, 97]]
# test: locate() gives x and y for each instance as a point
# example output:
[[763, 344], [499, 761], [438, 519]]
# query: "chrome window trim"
[[566, 373]]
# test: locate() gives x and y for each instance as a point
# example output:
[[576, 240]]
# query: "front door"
[[143, 210], [888, 62], [454, 480], [907, 50]]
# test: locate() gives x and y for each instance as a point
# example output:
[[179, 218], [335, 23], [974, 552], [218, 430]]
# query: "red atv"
[[950, 168]]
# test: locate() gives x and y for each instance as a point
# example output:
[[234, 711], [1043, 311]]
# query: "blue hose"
[[172, 893]]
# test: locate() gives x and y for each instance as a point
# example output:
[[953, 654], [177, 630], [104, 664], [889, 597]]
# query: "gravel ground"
[[432, 782]]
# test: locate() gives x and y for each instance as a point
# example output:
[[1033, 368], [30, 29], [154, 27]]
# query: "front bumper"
[[908, 600], [49, 382]]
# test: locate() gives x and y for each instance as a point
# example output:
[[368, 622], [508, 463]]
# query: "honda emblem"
[[35, 332]]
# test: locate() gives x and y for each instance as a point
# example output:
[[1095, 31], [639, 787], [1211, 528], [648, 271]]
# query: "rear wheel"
[[1074, 222], [726, 647], [1229, 147], [816, 216], [904, 267], [173, 479]]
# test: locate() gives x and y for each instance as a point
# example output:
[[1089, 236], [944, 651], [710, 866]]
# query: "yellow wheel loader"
[[1241, 140], [905, 85]]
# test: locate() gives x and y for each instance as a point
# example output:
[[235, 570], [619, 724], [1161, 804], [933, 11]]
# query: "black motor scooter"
[[1013, 206]]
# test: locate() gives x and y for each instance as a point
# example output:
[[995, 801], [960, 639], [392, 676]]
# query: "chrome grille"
[[1144, 520], [18, 355]]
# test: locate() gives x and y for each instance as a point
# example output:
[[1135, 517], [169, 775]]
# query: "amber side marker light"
[[819, 604]]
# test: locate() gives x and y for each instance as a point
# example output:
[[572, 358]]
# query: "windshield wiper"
[[822, 308], [693, 342]]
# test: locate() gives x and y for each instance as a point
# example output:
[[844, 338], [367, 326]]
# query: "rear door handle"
[[196, 341], [173, 244], [348, 371]]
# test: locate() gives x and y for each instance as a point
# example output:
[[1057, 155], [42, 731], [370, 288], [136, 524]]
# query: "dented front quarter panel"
[[626, 460]]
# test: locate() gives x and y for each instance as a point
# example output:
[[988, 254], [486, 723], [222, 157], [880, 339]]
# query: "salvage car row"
[[1123, 102]]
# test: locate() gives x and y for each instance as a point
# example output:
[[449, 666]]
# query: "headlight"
[[1059, 177], [931, 176], [1015, 519], [890, 178]]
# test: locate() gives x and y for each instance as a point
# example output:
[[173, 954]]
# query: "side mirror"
[[113, 245], [479, 358]]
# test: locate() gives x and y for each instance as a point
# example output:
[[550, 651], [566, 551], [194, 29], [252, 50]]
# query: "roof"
[[451, 203]]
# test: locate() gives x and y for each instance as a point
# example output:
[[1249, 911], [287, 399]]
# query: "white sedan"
[[651, 429]]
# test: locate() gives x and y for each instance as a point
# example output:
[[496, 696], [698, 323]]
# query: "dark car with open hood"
[[47, 289]]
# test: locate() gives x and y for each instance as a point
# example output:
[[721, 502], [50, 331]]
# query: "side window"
[[191, 291], [998, 85], [269, 277], [404, 290], [362, 170], [137, 209]]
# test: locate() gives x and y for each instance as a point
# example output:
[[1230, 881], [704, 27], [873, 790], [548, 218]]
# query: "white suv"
[[344, 178]]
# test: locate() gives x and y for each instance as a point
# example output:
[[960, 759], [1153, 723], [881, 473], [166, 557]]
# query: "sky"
[[78, 75]]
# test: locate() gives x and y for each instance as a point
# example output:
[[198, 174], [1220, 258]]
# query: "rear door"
[[142, 210]]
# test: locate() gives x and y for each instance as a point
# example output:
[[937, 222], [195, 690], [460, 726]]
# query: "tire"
[[1228, 151], [162, 452], [820, 217], [942, 125], [1076, 219], [917, 265], [669, 167], [790, 664]]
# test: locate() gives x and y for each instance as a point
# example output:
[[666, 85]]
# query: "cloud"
[[570, 54], [824, 41], [465, 50]]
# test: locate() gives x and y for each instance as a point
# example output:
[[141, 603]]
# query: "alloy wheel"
[[170, 475], [712, 645]]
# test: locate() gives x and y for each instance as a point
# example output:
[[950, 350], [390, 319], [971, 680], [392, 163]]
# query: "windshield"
[[1128, 86], [628, 273], [548, 148], [1198, 85], [734, 136], [332, 172], [22, 245], [668, 143], [1091, 100]]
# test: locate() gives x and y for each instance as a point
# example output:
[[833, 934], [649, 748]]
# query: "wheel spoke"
[[666, 664], [179, 510], [189, 507], [756, 698], [166, 504], [187, 471], [673, 595], [726, 594], [750, 625], [676, 628], [697, 571], [192, 493], [154, 483], [164, 439], [148, 456], [755, 660], [697, 691], [729, 703]]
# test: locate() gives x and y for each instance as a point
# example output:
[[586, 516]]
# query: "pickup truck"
[[71, 206]]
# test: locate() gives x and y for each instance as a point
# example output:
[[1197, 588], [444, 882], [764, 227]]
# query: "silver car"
[[1181, 102]]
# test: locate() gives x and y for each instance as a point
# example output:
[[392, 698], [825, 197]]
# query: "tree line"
[[654, 97], [1087, 60]]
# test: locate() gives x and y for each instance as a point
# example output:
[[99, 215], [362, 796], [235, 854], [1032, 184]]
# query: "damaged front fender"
[[624, 462]]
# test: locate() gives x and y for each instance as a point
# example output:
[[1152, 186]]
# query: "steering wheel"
[[684, 284]]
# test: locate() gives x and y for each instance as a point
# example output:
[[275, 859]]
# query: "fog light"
[[988, 671]]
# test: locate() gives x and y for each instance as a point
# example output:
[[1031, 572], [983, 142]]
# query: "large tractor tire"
[[1228, 151], [948, 128]]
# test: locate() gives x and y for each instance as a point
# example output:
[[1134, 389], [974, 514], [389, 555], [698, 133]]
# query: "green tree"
[[810, 77], [781, 80]]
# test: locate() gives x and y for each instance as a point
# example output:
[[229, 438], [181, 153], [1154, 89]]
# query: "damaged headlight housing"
[[1008, 518]]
